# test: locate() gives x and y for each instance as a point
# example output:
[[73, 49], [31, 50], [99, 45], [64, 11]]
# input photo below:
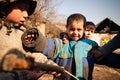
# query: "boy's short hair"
[[5, 3], [90, 25], [76, 16]]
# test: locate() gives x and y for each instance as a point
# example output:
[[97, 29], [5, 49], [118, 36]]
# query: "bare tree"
[[45, 12]]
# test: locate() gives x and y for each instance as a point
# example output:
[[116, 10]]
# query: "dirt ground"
[[102, 72]]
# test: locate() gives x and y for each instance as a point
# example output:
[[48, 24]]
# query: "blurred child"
[[14, 14], [64, 37], [89, 30]]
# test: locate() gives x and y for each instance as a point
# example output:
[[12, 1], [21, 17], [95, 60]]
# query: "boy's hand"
[[31, 34], [29, 37], [57, 74]]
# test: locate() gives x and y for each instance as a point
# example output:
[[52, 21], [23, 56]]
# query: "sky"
[[93, 10]]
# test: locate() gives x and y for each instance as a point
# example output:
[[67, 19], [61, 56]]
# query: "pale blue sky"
[[94, 10]]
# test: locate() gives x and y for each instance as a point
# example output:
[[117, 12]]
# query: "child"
[[14, 14], [74, 55], [64, 37], [112, 59], [89, 30]]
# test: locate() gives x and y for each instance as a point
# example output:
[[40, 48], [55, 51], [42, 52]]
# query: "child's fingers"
[[53, 73], [58, 75], [32, 35], [29, 37]]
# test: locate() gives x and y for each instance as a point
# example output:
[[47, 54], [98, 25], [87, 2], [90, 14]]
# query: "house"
[[107, 26], [105, 31]]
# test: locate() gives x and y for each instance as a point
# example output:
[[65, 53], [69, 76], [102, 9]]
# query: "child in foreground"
[[13, 13]]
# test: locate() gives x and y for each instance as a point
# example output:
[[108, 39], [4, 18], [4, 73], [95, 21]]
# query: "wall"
[[102, 38]]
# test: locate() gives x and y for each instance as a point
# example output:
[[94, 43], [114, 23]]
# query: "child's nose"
[[25, 14], [75, 32]]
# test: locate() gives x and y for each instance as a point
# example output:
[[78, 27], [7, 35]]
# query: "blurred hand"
[[31, 34], [57, 74], [29, 37]]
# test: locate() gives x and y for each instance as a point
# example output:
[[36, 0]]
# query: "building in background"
[[105, 31]]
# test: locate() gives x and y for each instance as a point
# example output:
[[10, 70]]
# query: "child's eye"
[[72, 29], [79, 29], [92, 31]]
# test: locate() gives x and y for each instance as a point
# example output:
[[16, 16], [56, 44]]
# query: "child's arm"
[[34, 41], [102, 52]]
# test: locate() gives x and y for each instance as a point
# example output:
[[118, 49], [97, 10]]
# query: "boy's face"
[[75, 30], [17, 14], [65, 39], [89, 33]]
